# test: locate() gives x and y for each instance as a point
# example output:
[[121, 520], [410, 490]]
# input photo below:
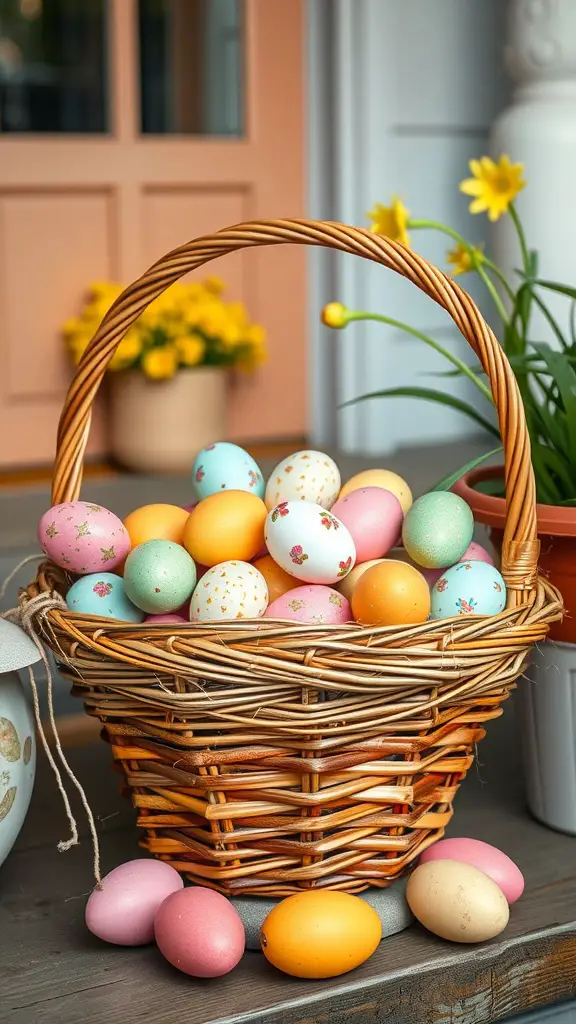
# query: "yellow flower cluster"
[[188, 325]]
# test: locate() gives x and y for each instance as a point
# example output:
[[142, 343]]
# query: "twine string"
[[29, 615]]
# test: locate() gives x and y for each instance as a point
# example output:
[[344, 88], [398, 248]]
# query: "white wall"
[[413, 89]]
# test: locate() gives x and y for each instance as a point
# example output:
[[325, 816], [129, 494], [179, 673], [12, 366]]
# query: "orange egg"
[[320, 934], [346, 586], [391, 594], [278, 580], [380, 478], [156, 522], [225, 526]]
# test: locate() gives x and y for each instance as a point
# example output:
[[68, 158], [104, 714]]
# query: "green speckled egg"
[[437, 529], [159, 576]]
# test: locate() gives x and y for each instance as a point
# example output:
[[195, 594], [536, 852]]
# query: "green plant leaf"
[[565, 378], [429, 395], [553, 286], [448, 481]]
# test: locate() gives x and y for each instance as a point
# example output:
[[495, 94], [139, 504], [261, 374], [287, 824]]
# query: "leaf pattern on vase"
[[7, 802], [9, 742], [27, 753]]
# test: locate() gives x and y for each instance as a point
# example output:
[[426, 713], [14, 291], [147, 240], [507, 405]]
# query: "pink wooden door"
[[153, 123]]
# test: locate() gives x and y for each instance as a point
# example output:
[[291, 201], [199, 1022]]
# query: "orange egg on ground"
[[279, 581], [380, 478], [156, 522], [226, 526], [346, 586], [391, 594]]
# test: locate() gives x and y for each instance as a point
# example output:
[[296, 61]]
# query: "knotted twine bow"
[[29, 615]]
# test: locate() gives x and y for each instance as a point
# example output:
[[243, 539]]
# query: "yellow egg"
[[156, 522], [346, 586], [380, 478], [320, 934], [226, 526], [457, 901]]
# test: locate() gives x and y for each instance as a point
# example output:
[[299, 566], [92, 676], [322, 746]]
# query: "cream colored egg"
[[304, 476], [457, 901], [380, 478], [346, 586], [230, 590]]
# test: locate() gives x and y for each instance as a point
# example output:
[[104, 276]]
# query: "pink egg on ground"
[[374, 518], [199, 932], [83, 538], [476, 553], [123, 909], [169, 617], [314, 603], [486, 858]]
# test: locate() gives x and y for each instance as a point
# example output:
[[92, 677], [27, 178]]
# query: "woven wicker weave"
[[269, 758]]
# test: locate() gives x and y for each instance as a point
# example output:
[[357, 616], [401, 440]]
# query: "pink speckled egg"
[[486, 858], [170, 617], [199, 932], [123, 909], [374, 518], [311, 604], [476, 553], [83, 538]]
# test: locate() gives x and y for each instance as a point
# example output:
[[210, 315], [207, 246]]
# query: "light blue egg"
[[469, 588], [104, 594], [226, 467], [159, 576]]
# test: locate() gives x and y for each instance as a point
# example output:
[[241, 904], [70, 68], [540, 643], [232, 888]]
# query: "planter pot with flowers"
[[168, 379], [546, 375]]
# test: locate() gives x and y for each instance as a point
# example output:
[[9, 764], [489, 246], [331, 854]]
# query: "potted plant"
[[167, 390], [546, 375]]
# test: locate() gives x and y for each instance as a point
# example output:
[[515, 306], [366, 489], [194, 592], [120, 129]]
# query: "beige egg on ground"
[[346, 586], [385, 478], [457, 901]]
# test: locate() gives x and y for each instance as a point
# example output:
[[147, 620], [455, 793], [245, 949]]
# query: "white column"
[[539, 130]]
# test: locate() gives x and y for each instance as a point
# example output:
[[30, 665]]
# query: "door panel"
[[76, 208]]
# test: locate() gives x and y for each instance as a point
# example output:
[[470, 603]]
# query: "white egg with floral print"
[[468, 588], [309, 542], [304, 476], [229, 590]]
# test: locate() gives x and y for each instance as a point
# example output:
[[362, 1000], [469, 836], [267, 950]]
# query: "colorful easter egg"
[[493, 862], [312, 603], [468, 588], [304, 476], [437, 529], [457, 901], [159, 576], [347, 585], [200, 932], [476, 553], [224, 527], [170, 618], [374, 518], [102, 594], [380, 478], [122, 908], [231, 590], [391, 594], [156, 522], [83, 537], [278, 580], [309, 542], [226, 467]]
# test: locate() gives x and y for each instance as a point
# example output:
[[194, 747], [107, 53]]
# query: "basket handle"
[[520, 546]]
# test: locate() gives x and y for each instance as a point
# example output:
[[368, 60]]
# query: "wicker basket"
[[274, 757]]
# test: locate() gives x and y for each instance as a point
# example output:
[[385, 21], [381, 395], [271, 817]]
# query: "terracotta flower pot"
[[159, 426], [557, 532]]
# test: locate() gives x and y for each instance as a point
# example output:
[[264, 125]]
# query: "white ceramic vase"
[[17, 734]]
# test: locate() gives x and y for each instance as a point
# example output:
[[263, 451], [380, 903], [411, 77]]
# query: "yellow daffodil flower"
[[391, 221], [493, 185], [160, 363], [190, 349], [335, 315], [463, 260]]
